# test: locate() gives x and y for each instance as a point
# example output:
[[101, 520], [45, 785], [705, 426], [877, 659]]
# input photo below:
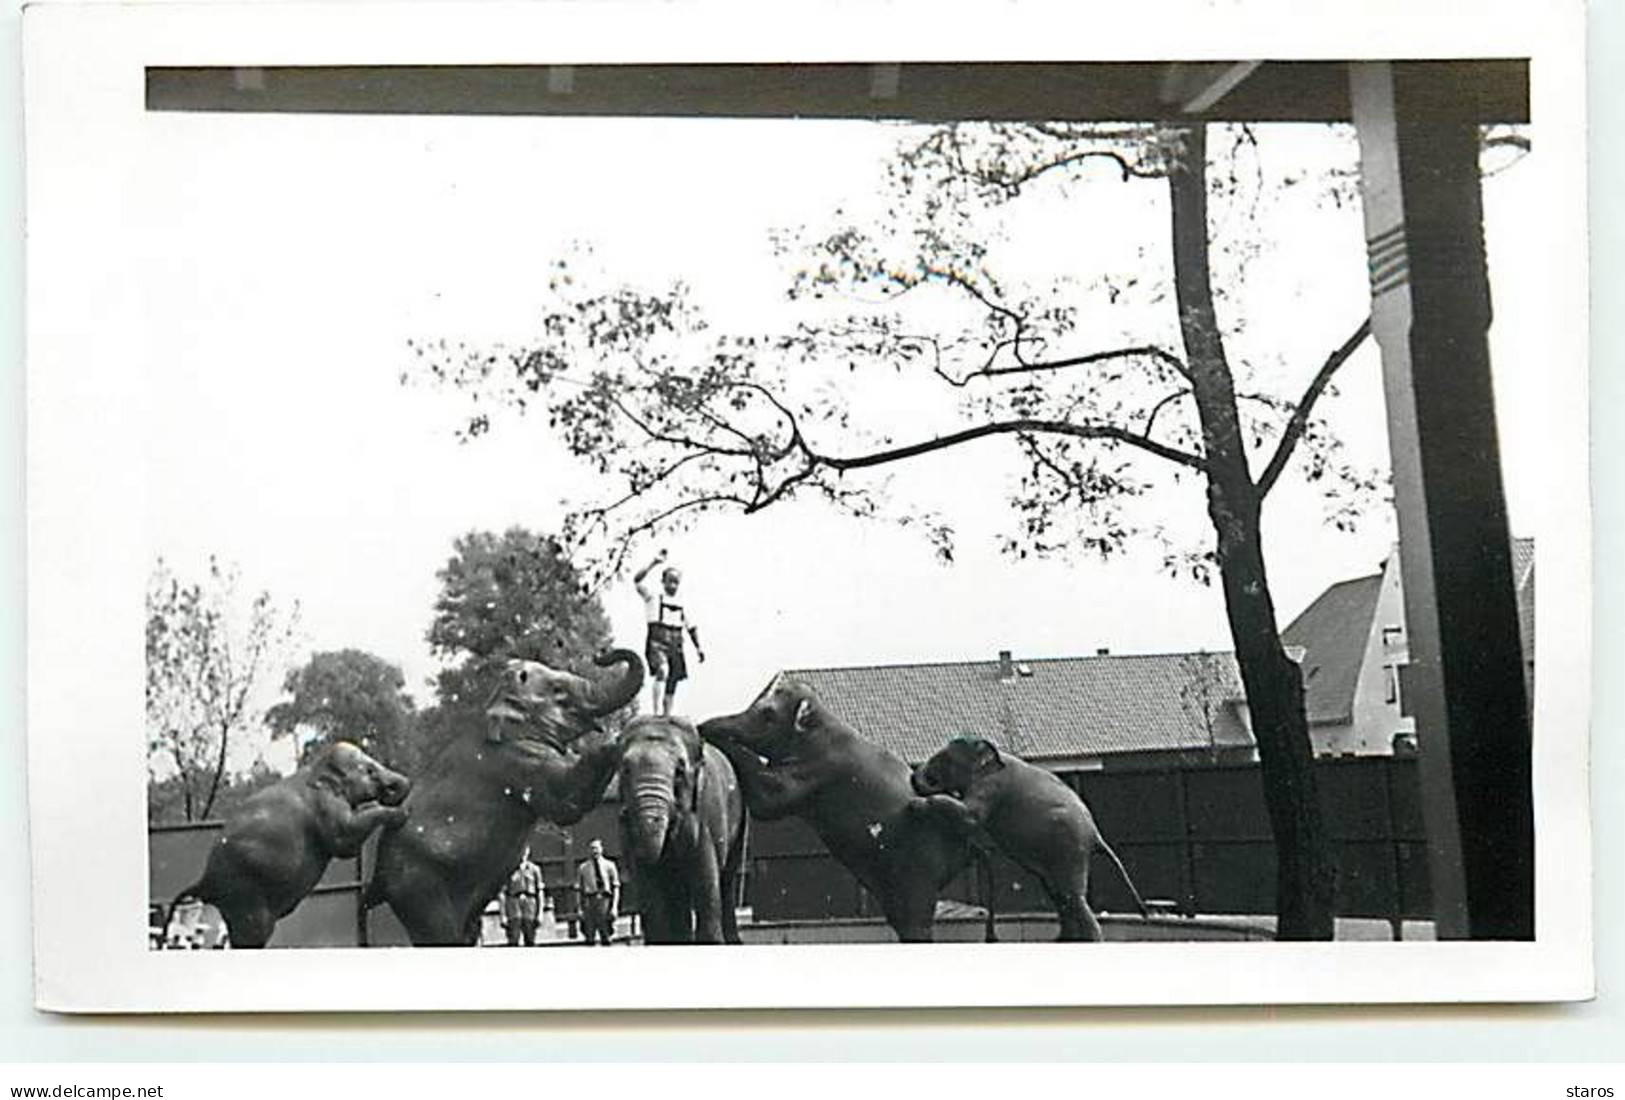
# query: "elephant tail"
[[1139, 902]]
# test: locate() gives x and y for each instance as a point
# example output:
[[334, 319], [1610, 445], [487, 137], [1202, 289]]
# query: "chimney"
[[1007, 666], [1103, 651]]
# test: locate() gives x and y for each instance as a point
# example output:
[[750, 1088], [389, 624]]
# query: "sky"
[[291, 259]]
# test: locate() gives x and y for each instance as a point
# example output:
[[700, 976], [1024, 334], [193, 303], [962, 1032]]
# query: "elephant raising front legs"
[[540, 754]]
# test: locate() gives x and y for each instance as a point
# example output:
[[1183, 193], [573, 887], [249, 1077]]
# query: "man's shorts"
[[664, 652]]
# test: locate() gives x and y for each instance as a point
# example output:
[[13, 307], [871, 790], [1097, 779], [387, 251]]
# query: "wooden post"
[[1430, 310]]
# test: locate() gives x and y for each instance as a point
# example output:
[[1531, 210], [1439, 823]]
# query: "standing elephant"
[[1031, 815], [794, 757], [683, 823], [542, 754], [275, 849]]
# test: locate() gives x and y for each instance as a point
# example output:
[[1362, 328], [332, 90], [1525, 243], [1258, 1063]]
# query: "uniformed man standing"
[[522, 902]]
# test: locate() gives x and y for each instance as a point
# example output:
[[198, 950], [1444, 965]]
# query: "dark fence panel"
[[1221, 857], [803, 887], [1196, 837]]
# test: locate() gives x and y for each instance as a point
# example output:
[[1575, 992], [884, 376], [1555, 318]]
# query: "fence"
[[1196, 837]]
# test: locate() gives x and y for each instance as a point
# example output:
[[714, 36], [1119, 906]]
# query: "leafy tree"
[[206, 656], [348, 695], [510, 595], [1104, 389]]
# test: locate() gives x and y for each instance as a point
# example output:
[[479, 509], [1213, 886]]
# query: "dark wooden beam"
[[1277, 91]]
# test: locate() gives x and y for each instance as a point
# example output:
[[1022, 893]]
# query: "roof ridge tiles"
[[994, 662]]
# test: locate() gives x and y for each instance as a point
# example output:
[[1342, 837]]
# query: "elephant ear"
[[697, 764], [806, 718], [987, 756], [327, 773]]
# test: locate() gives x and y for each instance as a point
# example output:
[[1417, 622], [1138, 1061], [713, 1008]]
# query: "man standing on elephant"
[[667, 619], [522, 902], [599, 884]]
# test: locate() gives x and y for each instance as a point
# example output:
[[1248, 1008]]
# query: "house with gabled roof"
[[1112, 710], [1355, 650]]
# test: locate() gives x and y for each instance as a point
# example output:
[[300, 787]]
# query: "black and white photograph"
[[1079, 512]]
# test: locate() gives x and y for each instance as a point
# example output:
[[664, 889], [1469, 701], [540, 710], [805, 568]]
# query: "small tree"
[[349, 695], [207, 654], [1206, 686], [516, 594]]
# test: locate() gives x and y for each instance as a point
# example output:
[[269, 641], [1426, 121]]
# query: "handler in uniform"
[[668, 619], [599, 884], [522, 902]]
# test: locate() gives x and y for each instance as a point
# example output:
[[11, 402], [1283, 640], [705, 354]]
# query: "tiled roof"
[[1096, 706], [1069, 706], [1333, 632]]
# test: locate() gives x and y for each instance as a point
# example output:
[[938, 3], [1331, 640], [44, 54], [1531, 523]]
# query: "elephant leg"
[[654, 906], [431, 920], [706, 890], [249, 924], [729, 887], [727, 898], [682, 907], [1070, 896], [912, 911]]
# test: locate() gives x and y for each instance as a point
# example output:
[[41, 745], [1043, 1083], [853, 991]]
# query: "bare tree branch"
[[676, 440], [1151, 417], [1306, 406], [630, 535], [1150, 351], [1110, 432]]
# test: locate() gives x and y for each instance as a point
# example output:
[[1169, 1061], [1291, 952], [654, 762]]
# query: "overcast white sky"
[[292, 258]]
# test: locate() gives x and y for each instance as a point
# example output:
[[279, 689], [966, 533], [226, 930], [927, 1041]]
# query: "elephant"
[[794, 757], [1033, 817], [276, 847], [542, 754], [683, 827]]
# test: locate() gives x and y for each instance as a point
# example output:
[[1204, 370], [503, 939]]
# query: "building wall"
[[1376, 716]]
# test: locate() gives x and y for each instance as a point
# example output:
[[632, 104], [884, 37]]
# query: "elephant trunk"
[[609, 696], [649, 832], [651, 812]]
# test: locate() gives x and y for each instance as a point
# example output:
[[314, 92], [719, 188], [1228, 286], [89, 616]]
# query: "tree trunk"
[[219, 768], [185, 776], [1305, 879]]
